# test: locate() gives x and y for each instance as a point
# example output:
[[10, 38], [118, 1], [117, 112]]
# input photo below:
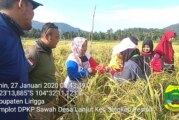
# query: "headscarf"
[[76, 48], [148, 42], [129, 53], [147, 56], [126, 43], [128, 49], [165, 48], [134, 55]]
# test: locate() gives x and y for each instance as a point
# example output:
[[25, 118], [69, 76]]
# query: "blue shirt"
[[73, 73], [13, 68]]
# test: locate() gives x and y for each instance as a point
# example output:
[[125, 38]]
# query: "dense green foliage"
[[140, 33], [68, 32]]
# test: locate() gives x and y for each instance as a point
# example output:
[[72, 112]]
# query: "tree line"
[[140, 33]]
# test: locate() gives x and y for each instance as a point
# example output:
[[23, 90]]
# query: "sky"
[[109, 14]]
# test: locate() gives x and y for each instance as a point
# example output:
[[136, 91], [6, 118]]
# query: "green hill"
[[174, 27], [62, 27]]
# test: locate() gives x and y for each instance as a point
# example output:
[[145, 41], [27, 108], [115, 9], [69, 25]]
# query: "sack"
[[156, 63]]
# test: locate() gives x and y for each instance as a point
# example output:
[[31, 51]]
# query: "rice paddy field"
[[104, 99]]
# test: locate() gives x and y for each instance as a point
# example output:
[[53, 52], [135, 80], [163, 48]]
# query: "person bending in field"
[[134, 66], [79, 65], [164, 53]]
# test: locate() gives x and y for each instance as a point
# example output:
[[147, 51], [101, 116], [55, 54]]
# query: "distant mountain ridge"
[[68, 28], [174, 27], [62, 26]]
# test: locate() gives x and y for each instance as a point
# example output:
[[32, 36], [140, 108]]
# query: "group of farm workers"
[[36, 66]]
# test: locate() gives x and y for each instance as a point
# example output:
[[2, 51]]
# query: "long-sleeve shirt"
[[75, 71], [13, 69], [132, 71]]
